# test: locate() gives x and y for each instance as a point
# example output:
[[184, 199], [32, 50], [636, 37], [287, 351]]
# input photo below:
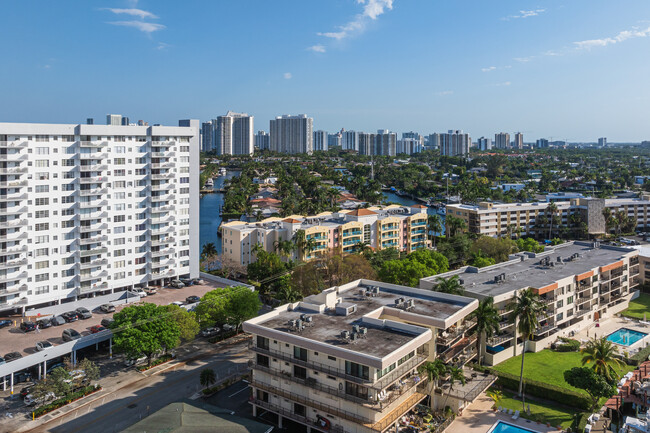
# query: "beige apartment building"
[[495, 219], [400, 227], [580, 283], [346, 360]]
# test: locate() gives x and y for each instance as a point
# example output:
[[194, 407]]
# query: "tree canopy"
[[416, 265], [593, 383], [232, 305]]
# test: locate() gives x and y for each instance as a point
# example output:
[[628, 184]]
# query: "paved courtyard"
[[608, 326]]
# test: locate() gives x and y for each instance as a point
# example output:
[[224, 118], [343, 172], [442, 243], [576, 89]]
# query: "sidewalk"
[[21, 422]]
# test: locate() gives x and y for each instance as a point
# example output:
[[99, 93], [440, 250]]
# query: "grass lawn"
[[638, 307], [549, 413], [547, 366]]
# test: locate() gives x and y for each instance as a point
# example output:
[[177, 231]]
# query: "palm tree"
[[207, 377], [362, 247], [434, 371], [526, 310], [487, 322], [288, 295], [455, 375], [208, 250], [552, 210], [435, 226], [449, 285], [602, 353], [454, 225], [607, 214], [621, 220]]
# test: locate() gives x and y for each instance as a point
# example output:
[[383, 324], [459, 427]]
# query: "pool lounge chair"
[[499, 409], [509, 411], [516, 415]]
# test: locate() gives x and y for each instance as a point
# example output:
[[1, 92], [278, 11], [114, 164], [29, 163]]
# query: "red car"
[[97, 328]]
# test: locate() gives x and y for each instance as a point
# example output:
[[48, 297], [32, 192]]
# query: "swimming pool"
[[625, 336], [506, 427]]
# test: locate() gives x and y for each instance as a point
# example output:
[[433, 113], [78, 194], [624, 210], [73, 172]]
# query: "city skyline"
[[562, 71]]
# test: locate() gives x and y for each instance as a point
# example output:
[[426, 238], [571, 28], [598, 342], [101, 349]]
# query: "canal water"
[[210, 204]]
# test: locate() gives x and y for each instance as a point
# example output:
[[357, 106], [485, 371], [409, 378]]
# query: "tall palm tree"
[[487, 322], [288, 294], [454, 225], [208, 250], [299, 240], [434, 371], [607, 214], [551, 209], [435, 226], [526, 312], [449, 285], [455, 375], [207, 377], [602, 354]]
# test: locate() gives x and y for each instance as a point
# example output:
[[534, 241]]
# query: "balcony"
[[166, 208], [582, 300], [96, 191], [13, 157], [418, 223], [93, 252], [96, 179], [162, 197], [166, 143], [13, 170], [164, 241], [544, 329], [15, 263], [97, 156], [163, 165], [100, 167], [93, 240], [13, 145], [93, 264], [13, 303], [457, 349], [91, 204], [13, 289], [385, 244], [93, 275], [293, 416], [92, 288], [16, 249], [418, 232], [165, 274], [162, 176], [13, 183], [93, 228], [164, 252], [497, 340], [582, 312], [93, 216], [93, 144], [13, 223], [13, 197], [352, 233], [10, 278], [168, 229], [14, 210], [16, 236], [162, 154], [162, 187], [351, 242]]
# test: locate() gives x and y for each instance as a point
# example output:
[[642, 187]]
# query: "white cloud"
[[144, 27], [372, 9], [287, 75], [489, 69], [317, 48], [524, 59], [525, 14], [162, 46], [506, 83], [621, 37], [445, 93], [143, 15]]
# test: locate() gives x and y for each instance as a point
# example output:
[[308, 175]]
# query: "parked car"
[[196, 281], [83, 313], [135, 361], [28, 326], [70, 335], [57, 321], [177, 284], [22, 376], [44, 323], [12, 356], [179, 303], [192, 299], [209, 332], [70, 316], [5, 323], [228, 328], [42, 345], [150, 291], [107, 308], [26, 390], [187, 281], [97, 328], [31, 400], [2, 360], [107, 322], [52, 367], [139, 291]]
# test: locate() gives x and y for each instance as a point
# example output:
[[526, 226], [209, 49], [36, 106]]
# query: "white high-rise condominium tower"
[[502, 140], [519, 141], [350, 140], [484, 143], [320, 140], [114, 119], [262, 140], [434, 140], [386, 142], [92, 209], [454, 143], [234, 134], [602, 142], [292, 134], [207, 136]]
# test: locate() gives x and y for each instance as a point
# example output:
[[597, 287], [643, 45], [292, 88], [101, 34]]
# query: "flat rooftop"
[[380, 341], [530, 273]]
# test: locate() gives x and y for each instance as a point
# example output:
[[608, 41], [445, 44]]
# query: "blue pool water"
[[625, 337], [504, 427]]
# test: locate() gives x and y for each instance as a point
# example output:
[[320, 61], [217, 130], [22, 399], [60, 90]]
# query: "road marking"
[[243, 389]]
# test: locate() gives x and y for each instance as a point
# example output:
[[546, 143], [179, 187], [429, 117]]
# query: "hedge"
[[580, 422], [567, 345], [66, 400], [222, 336], [544, 390], [640, 356], [161, 360]]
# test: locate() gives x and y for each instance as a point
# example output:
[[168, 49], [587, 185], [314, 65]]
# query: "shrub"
[[222, 336], [161, 360], [580, 421], [544, 390], [640, 356], [567, 345], [67, 399]]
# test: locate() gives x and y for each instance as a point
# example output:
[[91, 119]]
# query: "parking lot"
[[13, 339]]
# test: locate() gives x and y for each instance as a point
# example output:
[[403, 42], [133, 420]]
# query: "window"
[[299, 372], [405, 358], [42, 226], [357, 370], [262, 342], [569, 300], [42, 265], [41, 163], [42, 188], [381, 373], [356, 390], [299, 409], [42, 214], [119, 264], [559, 317], [118, 253], [41, 290], [119, 241], [119, 161], [331, 358], [119, 276], [300, 353], [119, 218], [560, 303], [262, 360], [42, 201], [38, 252], [119, 195], [42, 277], [120, 149], [42, 150]]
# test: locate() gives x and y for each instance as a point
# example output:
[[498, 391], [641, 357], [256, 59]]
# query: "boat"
[[442, 211], [209, 183], [222, 171]]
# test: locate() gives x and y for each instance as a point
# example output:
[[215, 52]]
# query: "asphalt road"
[[128, 405]]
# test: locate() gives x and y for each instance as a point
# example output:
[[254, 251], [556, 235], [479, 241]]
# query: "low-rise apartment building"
[[496, 219], [346, 360], [403, 228], [580, 283]]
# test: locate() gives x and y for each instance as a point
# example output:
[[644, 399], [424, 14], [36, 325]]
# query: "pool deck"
[[479, 417], [611, 325]]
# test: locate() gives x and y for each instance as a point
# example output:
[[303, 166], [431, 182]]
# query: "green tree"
[[186, 321], [91, 370], [144, 330], [526, 312], [212, 307], [434, 370], [243, 304], [602, 355], [435, 226], [529, 244], [498, 249], [456, 375], [207, 377], [596, 385], [404, 272], [449, 285], [480, 260], [208, 250], [496, 397], [455, 225], [288, 295], [487, 323]]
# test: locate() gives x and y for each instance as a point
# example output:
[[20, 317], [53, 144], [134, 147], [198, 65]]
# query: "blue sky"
[[571, 69]]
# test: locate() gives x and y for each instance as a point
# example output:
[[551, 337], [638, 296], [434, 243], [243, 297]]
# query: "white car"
[[140, 292], [43, 345], [30, 400]]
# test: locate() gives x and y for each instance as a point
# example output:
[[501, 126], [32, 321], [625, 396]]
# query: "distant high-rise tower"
[[367, 144], [484, 143], [125, 121], [350, 140], [519, 141], [320, 140], [434, 140], [114, 119], [234, 134], [90, 121], [541, 143], [454, 143], [292, 134], [502, 140], [262, 140], [334, 140], [409, 146], [386, 142], [602, 142], [207, 136]]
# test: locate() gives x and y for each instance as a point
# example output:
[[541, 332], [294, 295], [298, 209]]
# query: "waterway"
[[210, 204]]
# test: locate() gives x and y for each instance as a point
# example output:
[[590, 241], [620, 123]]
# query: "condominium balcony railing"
[[95, 179], [11, 277], [93, 252], [351, 233], [12, 303], [13, 157], [418, 232], [13, 170], [391, 236], [13, 223], [94, 203], [162, 154], [13, 289], [96, 155], [165, 274], [13, 197], [93, 228], [457, 349], [93, 240], [15, 263], [94, 191], [164, 241], [294, 416], [16, 249], [166, 143], [164, 252], [96, 167], [161, 176], [162, 187], [13, 236], [93, 264], [165, 208], [93, 144], [93, 215], [498, 339], [418, 223], [93, 275], [13, 145], [13, 183], [163, 197], [389, 244], [169, 164], [168, 229]]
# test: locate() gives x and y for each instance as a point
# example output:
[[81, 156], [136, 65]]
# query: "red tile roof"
[[362, 212]]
